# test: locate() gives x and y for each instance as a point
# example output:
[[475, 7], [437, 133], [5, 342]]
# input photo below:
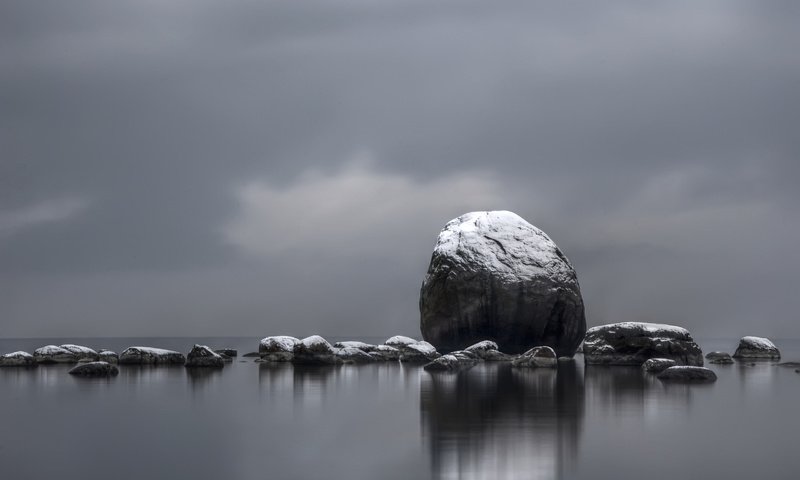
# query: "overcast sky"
[[265, 167]]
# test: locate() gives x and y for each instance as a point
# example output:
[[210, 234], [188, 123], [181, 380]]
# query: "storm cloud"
[[254, 168]]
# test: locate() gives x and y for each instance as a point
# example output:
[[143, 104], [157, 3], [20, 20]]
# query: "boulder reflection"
[[493, 421]]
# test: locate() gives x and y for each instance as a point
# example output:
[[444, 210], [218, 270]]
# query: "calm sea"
[[392, 421]]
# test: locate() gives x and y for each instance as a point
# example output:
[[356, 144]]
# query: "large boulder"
[[202, 356], [150, 356], [494, 276], [17, 359], [757, 348], [633, 343]]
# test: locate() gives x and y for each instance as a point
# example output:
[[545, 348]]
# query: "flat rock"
[[315, 350], [201, 356], [688, 374], [452, 362], [17, 359], [633, 343], [278, 348], [494, 276], [757, 347], [657, 365], [150, 356], [537, 357], [95, 369], [54, 354]]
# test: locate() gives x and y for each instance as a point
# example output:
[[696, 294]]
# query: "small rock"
[[54, 354], [315, 350], [537, 357], [202, 356], [364, 347], [657, 365], [487, 350], [757, 347], [150, 356], [228, 352], [251, 355], [95, 369], [385, 353], [279, 348], [81, 352], [354, 355], [688, 374], [789, 364], [108, 356], [418, 352], [452, 362], [399, 341], [721, 360], [17, 359]]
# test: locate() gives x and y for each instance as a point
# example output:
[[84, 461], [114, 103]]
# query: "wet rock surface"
[[495, 276], [633, 343]]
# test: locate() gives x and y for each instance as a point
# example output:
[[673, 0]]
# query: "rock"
[[657, 365], [279, 348], [95, 369], [354, 355], [418, 352], [487, 350], [537, 357], [385, 353], [54, 354], [580, 348], [251, 355], [784, 364], [633, 343], [364, 347], [565, 359], [150, 356], [81, 352], [496, 356], [399, 341], [495, 276], [202, 356], [720, 359], [481, 347], [717, 355], [315, 350], [452, 362], [228, 352], [688, 374], [108, 356], [17, 359], [757, 347]]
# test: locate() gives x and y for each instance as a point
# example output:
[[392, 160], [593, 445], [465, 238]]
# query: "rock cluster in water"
[[495, 276]]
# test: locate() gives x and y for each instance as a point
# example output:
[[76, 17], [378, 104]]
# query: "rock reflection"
[[493, 421]]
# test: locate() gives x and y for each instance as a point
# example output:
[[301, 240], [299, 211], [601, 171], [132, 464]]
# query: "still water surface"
[[392, 421]]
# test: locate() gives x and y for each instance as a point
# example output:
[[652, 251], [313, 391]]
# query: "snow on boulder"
[[757, 347], [279, 348], [202, 356], [537, 357], [81, 353], [354, 355], [657, 365], [95, 369], [688, 374], [633, 343], [364, 347], [418, 352], [399, 341], [150, 356], [17, 359], [315, 350], [54, 354], [495, 276]]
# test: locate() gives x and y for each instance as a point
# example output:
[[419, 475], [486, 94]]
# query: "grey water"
[[394, 421]]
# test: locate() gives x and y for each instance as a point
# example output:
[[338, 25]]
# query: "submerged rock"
[[495, 276], [757, 347], [279, 348], [537, 357], [453, 362], [688, 374], [315, 350], [657, 365], [95, 369], [54, 354], [150, 356], [202, 356], [418, 353], [633, 343], [17, 359], [354, 355]]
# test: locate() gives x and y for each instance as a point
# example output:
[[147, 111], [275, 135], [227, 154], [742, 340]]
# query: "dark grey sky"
[[255, 168]]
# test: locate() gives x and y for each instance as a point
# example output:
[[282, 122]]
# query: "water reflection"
[[493, 421]]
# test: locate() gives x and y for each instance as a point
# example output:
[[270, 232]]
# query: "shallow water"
[[393, 421]]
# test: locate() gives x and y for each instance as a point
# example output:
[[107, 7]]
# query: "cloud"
[[48, 211], [354, 210]]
